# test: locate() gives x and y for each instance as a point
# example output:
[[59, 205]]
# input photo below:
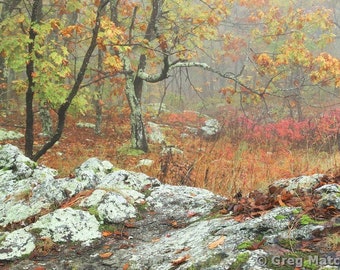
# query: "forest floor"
[[224, 166]]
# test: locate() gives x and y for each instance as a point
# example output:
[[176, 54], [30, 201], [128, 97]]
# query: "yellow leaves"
[[327, 69], [113, 62], [20, 18], [68, 31], [55, 24], [264, 60]]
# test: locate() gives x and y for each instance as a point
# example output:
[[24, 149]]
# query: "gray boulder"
[[211, 129], [16, 244], [67, 225], [153, 225]]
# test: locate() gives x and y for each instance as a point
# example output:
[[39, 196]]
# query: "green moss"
[[211, 261], [245, 245], [296, 211], [241, 259], [280, 217], [93, 210], [306, 220], [127, 150], [35, 231], [309, 265], [108, 228], [142, 207], [288, 243]]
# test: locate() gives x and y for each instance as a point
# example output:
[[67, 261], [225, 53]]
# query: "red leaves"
[[185, 118], [289, 131]]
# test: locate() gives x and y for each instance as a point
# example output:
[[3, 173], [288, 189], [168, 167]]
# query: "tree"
[[167, 35], [162, 35], [270, 48], [7, 8], [285, 55], [46, 63]]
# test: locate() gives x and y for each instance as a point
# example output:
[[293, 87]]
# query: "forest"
[[81, 79]]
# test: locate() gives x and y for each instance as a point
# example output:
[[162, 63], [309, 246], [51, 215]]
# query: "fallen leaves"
[[216, 243], [180, 260], [105, 255], [77, 198]]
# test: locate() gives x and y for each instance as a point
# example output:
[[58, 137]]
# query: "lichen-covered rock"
[[16, 244], [145, 162], [115, 208], [330, 195], [182, 201], [155, 133], [163, 226], [211, 129], [65, 225], [303, 183], [9, 135], [208, 244], [92, 170], [122, 179], [12, 159]]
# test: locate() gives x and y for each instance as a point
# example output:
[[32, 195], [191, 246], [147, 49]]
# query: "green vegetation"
[[108, 227], [213, 260], [288, 243], [306, 220], [126, 150], [280, 217], [241, 259], [93, 210], [245, 245]]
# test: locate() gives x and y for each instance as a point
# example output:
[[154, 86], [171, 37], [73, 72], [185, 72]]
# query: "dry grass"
[[224, 166]]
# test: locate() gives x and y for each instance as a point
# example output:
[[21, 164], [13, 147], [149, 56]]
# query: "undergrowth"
[[246, 156]]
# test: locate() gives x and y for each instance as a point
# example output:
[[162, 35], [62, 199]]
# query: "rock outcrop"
[[107, 218]]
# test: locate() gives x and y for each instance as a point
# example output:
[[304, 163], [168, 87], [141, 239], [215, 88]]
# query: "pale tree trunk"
[[138, 136], [98, 95], [46, 121]]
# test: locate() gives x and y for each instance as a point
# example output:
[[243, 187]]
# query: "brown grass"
[[222, 166]]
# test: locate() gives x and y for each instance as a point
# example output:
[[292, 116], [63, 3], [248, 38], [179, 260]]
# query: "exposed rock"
[[115, 208], [68, 225], [329, 195], [122, 179], [304, 183], [9, 135], [16, 244], [145, 162], [211, 129], [155, 133], [155, 226], [178, 202], [85, 125]]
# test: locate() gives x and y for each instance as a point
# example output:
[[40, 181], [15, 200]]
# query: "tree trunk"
[[138, 136], [46, 121], [79, 79], [98, 97], [29, 133]]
